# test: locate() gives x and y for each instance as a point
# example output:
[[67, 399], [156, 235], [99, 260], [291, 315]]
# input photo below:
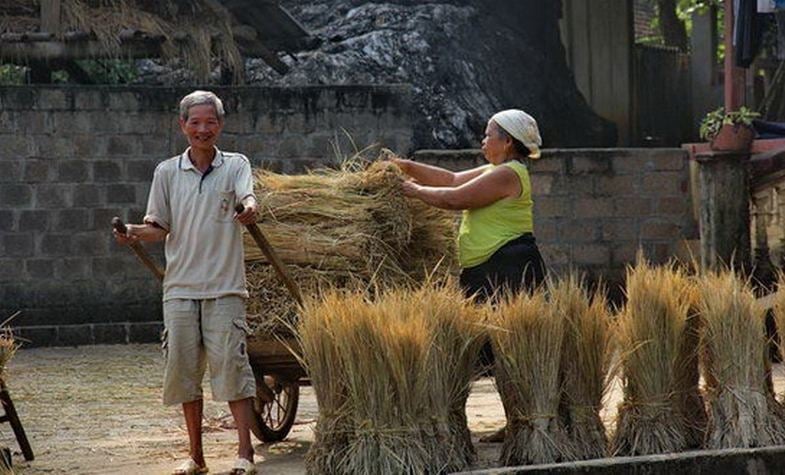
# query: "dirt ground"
[[97, 410]]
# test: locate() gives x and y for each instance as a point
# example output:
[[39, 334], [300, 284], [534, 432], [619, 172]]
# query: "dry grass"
[[527, 343], [586, 362], [742, 409], [209, 32], [391, 375], [651, 331], [346, 228]]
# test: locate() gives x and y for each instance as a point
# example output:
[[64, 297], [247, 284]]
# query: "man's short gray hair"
[[199, 98]]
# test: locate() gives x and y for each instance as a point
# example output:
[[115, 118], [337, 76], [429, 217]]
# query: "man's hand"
[[248, 216], [128, 238], [410, 188]]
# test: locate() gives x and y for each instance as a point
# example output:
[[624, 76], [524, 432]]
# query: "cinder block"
[[547, 230], [12, 172], [7, 222], [87, 99], [94, 243], [90, 146], [52, 99], [102, 217], [39, 268], [140, 170], [617, 185], [106, 171], [13, 270], [28, 121], [14, 195], [665, 183], [580, 231], [632, 164], [664, 230], [72, 219], [617, 230], [110, 333], [589, 164], [53, 196], [291, 147], [123, 101], [552, 207], [55, 245], [547, 164], [676, 206], [145, 332], [34, 220], [18, 244], [593, 207], [73, 171], [87, 196], [591, 254], [119, 194], [72, 268], [543, 185], [75, 335], [124, 145], [632, 206]]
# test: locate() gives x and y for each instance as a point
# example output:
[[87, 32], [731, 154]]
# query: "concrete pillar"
[[724, 215]]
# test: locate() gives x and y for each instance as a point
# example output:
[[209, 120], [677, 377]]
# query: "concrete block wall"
[[71, 158], [593, 209]]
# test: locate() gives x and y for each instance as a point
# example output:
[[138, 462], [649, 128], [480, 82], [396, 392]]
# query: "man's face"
[[202, 127]]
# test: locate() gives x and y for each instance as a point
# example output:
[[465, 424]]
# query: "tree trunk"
[[674, 33]]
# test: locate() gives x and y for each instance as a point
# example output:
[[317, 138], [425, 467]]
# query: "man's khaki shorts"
[[200, 332]]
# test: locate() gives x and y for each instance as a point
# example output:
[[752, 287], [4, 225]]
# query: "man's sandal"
[[189, 467], [243, 467]]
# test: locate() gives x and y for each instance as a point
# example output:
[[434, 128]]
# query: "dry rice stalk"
[[651, 330], [586, 362], [106, 19], [742, 410], [342, 228], [691, 403], [527, 344], [457, 336], [390, 374]]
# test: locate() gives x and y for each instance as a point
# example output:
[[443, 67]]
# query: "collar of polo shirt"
[[187, 164]]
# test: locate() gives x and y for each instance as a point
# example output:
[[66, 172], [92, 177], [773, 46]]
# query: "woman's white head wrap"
[[522, 126]]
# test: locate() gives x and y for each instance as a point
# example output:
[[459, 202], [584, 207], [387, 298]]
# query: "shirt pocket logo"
[[223, 206]]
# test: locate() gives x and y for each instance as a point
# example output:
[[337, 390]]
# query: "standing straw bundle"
[[457, 336], [742, 408], [390, 374], [651, 330], [586, 361], [527, 343]]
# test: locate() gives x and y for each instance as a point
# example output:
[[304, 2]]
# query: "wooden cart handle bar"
[[140, 251], [269, 252]]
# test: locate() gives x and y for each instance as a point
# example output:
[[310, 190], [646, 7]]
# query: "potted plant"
[[729, 131]]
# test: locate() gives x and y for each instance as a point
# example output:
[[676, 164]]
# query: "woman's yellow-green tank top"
[[484, 230]]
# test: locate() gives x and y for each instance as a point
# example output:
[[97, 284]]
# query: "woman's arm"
[[430, 175], [479, 192]]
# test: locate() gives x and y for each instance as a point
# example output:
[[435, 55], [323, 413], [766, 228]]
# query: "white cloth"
[[766, 6], [523, 127]]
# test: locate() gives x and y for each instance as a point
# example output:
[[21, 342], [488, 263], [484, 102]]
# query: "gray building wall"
[[71, 158]]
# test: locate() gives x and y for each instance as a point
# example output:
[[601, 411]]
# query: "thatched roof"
[[198, 31]]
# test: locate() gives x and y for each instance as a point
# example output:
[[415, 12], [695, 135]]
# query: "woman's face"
[[495, 145]]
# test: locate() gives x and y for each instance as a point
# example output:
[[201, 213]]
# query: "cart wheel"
[[275, 418]]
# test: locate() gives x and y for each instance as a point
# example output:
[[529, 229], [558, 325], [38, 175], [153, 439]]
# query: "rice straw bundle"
[[690, 399], [742, 408], [651, 330], [586, 363], [457, 337], [342, 228], [389, 374], [527, 343]]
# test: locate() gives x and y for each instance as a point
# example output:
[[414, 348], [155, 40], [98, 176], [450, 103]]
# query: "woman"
[[496, 246]]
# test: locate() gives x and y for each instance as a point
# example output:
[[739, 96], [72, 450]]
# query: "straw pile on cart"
[[344, 228]]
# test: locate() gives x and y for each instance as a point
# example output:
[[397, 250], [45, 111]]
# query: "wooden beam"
[[25, 52], [734, 77], [50, 16]]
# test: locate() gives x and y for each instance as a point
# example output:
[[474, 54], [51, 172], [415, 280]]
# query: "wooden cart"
[[279, 376]]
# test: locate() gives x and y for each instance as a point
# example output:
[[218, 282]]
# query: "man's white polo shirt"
[[204, 247]]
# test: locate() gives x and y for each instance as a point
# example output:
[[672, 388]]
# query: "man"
[[191, 206]]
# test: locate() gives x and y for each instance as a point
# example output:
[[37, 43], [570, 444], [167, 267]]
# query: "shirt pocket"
[[222, 206]]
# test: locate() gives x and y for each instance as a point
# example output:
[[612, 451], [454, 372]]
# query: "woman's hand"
[[403, 164], [410, 189]]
